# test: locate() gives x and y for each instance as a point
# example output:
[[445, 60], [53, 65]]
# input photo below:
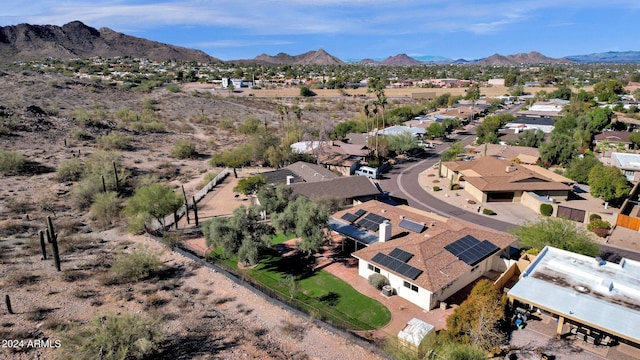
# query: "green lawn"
[[279, 238], [320, 293]]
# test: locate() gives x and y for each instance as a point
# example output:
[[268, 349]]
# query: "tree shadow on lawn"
[[297, 265], [331, 299]]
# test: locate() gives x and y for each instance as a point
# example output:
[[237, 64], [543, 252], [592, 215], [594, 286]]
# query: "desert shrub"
[[183, 149], [138, 265], [105, 208], [11, 162], [250, 126], [436, 188], [226, 124], [488, 212], [114, 141], [378, 281], [296, 331], [546, 209], [306, 92], [455, 187], [70, 170], [126, 115], [153, 126], [84, 192], [123, 336], [593, 217], [173, 88], [599, 227]]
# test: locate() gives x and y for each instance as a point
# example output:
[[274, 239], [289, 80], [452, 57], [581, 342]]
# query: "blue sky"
[[355, 29]]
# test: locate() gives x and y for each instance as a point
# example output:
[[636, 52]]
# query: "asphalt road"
[[402, 182]]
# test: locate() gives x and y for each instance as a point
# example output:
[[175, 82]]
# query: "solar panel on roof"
[[471, 250], [349, 217], [413, 273], [360, 212], [396, 266], [412, 225], [461, 245], [401, 255]]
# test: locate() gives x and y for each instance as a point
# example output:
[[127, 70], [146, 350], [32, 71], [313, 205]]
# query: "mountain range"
[[77, 40]]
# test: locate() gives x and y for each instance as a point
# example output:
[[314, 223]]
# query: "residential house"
[[426, 258], [598, 299], [417, 132], [523, 123], [551, 108], [489, 179], [629, 164], [518, 154], [618, 139], [352, 189], [298, 172]]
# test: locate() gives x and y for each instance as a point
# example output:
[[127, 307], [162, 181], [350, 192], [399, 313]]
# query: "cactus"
[[54, 242], [42, 246], [175, 218], [104, 186], [195, 210], [7, 301]]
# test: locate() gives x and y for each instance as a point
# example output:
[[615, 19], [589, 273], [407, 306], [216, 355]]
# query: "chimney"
[[289, 179], [510, 168], [384, 231]]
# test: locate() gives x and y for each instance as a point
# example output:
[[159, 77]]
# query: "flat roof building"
[[584, 291]]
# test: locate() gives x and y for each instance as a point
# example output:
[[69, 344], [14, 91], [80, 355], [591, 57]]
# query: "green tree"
[[250, 185], [477, 320], [306, 92], [608, 183], [579, 168], [561, 149], [635, 139], [452, 152], [274, 199], [402, 143], [307, 220], [156, 200], [241, 234], [436, 130], [487, 131], [530, 138], [557, 232]]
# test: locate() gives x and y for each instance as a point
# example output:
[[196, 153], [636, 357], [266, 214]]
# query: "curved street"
[[402, 182]]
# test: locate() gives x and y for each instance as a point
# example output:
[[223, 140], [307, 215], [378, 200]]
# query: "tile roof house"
[[489, 179], [298, 172], [523, 154], [351, 188], [426, 257]]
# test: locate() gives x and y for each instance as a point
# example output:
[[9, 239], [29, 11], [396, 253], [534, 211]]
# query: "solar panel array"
[[353, 217], [471, 250], [396, 265], [401, 255], [412, 225], [371, 221]]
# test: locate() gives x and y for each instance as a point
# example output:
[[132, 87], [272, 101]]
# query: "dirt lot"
[[203, 314]]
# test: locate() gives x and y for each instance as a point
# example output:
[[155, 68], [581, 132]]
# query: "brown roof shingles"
[[439, 266]]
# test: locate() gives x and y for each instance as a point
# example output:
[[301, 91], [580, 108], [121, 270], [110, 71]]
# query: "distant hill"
[[622, 57], [77, 40], [319, 57], [532, 57], [400, 59]]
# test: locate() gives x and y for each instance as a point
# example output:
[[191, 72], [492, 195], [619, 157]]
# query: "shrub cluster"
[[546, 209], [378, 281], [11, 162], [488, 212], [599, 226], [183, 149]]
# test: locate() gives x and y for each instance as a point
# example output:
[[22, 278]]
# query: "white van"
[[368, 171]]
